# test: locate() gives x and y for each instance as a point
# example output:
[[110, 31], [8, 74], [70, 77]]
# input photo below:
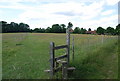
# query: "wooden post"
[[68, 43], [64, 70], [73, 48], [52, 65]]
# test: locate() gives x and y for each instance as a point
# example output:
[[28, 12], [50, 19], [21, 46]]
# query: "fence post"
[[52, 59], [88, 44], [64, 70], [73, 47], [68, 43], [102, 39]]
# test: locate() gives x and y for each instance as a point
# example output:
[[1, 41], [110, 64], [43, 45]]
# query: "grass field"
[[26, 55]]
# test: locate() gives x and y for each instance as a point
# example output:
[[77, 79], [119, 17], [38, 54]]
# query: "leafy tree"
[[63, 28], [83, 31], [76, 30], [56, 28], [110, 30], [117, 30], [31, 30], [70, 25], [14, 27], [89, 29], [39, 30], [48, 30], [4, 26], [23, 27], [42, 30], [100, 30], [36, 30]]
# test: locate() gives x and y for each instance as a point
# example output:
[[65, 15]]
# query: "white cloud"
[[15, 1], [50, 1], [44, 15], [104, 22], [112, 2], [15, 5], [0, 15], [109, 21], [92, 11], [108, 12]]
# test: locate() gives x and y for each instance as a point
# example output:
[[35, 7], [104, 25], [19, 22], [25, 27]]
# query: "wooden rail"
[[60, 57], [60, 47]]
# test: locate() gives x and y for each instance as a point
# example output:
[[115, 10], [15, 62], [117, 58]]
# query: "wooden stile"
[[56, 61]]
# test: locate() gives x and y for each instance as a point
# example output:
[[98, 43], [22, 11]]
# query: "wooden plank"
[[64, 70], [52, 59], [47, 71], [60, 57], [61, 61], [71, 68], [68, 43], [60, 47]]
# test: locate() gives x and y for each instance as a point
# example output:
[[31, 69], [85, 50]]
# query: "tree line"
[[55, 28], [109, 30], [14, 27]]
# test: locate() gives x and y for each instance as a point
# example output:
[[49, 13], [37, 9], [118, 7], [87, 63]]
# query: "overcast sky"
[[44, 13]]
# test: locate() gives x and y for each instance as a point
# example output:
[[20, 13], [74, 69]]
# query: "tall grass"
[[96, 59], [26, 56]]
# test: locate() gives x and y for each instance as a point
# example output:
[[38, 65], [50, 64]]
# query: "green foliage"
[[55, 28], [100, 30], [14, 27], [70, 25], [110, 30], [48, 30], [39, 30], [89, 29], [4, 26], [63, 26], [117, 30], [83, 31], [76, 30]]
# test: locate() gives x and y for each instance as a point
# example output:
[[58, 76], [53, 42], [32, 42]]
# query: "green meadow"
[[26, 55]]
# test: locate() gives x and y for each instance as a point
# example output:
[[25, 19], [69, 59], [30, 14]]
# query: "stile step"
[[71, 68], [47, 71]]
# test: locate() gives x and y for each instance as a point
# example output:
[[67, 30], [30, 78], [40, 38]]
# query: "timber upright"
[[63, 60], [68, 43]]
